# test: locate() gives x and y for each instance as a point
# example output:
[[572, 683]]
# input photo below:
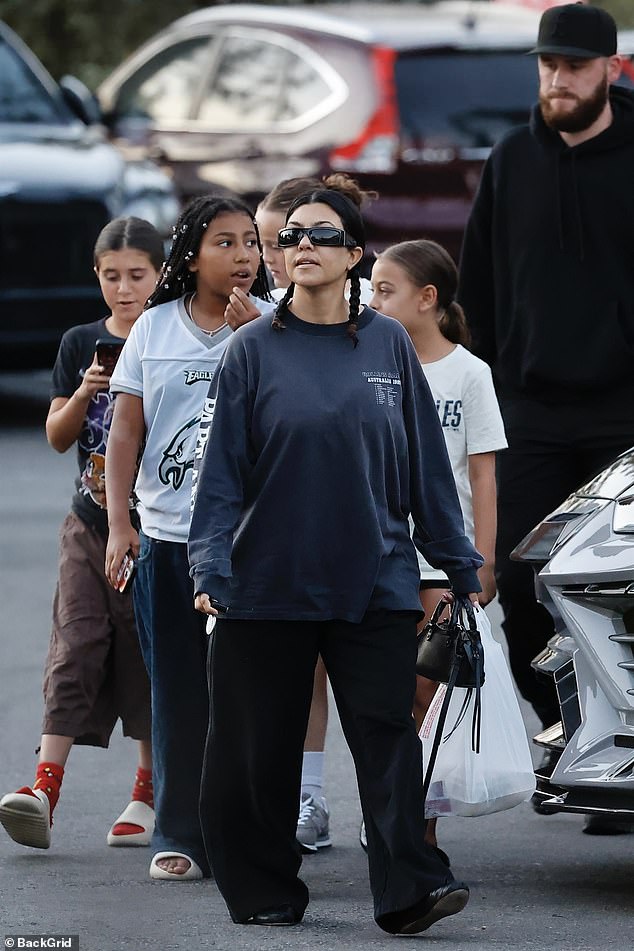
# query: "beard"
[[585, 113]]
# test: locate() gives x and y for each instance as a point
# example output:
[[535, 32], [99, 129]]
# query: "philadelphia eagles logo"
[[179, 455]]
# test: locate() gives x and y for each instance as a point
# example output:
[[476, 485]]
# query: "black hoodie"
[[547, 270]]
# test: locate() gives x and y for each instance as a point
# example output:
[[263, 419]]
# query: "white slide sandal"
[[193, 872], [136, 813], [27, 818]]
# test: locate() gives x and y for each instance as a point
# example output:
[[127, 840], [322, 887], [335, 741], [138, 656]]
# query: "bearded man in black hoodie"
[[547, 283]]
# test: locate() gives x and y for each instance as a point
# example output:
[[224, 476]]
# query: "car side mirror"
[[80, 100]]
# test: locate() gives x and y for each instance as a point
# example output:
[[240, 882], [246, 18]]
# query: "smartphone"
[[125, 573], [108, 353]]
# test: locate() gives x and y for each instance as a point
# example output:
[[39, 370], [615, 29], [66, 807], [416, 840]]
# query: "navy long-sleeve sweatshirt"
[[547, 268], [317, 453]]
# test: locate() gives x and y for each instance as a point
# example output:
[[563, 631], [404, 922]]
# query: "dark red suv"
[[408, 98]]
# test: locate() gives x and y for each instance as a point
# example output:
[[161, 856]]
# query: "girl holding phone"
[[94, 671]]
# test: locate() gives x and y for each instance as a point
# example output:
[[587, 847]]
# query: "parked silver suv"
[[408, 98]]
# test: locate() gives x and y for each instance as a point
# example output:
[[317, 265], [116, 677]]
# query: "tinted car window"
[[245, 89], [165, 87], [257, 83], [22, 97], [459, 98], [303, 89]]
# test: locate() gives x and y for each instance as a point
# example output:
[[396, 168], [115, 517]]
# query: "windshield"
[[22, 97], [465, 98]]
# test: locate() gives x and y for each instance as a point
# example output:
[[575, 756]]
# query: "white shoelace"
[[307, 809]]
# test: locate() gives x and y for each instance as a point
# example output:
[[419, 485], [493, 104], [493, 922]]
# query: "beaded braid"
[[282, 309], [187, 234], [355, 303]]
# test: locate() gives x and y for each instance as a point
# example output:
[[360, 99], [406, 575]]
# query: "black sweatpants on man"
[[553, 449], [261, 677]]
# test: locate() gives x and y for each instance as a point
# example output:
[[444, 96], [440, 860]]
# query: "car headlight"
[[543, 541], [540, 542]]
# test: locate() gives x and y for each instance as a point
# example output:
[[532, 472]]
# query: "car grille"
[[612, 618], [47, 244], [47, 282]]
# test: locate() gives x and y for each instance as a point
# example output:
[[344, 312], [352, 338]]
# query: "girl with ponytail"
[[416, 282], [324, 438]]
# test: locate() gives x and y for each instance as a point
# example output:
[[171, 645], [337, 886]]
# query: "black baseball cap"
[[576, 30]]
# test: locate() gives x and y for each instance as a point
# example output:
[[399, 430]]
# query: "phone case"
[[125, 573]]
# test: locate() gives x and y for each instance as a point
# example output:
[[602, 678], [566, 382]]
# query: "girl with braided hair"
[[161, 381], [271, 216], [324, 438], [313, 826]]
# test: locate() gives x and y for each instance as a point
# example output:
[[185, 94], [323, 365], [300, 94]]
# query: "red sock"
[[143, 791], [48, 778]]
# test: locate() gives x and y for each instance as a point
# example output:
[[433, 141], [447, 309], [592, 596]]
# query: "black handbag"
[[451, 646], [451, 653]]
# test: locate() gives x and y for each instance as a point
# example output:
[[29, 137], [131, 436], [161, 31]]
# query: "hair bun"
[[340, 182]]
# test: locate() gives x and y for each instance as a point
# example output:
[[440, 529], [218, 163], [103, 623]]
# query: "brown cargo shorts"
[[94, 671]]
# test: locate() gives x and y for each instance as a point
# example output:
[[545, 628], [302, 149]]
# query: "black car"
[[408, 98], [61, 181]]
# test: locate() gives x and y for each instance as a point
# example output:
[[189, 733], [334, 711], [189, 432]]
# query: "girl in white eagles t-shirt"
[[416, 282], [162, 379]]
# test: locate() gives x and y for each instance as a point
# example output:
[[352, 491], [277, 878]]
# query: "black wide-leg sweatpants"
[[261, 676]]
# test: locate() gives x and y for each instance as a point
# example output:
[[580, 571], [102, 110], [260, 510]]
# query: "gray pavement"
[[536, 882]]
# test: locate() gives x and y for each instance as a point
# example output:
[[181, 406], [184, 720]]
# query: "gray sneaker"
[[312, 826]]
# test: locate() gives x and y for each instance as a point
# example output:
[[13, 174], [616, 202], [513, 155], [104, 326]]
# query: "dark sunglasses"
[[328, 237]]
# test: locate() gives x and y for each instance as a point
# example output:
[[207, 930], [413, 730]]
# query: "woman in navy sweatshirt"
[[324, 438]]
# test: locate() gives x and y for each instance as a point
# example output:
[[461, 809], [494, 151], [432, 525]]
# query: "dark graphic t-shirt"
[[76, 353]]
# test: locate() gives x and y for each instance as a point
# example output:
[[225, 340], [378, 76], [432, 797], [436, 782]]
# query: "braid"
[[260, 286], [346, 203], [176, 278], [355, 301], [282, 309]]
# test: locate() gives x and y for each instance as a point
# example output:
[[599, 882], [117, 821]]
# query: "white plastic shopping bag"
[[500, 776]]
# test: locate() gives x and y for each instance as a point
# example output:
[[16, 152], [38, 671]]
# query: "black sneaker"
[[442, 902]]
